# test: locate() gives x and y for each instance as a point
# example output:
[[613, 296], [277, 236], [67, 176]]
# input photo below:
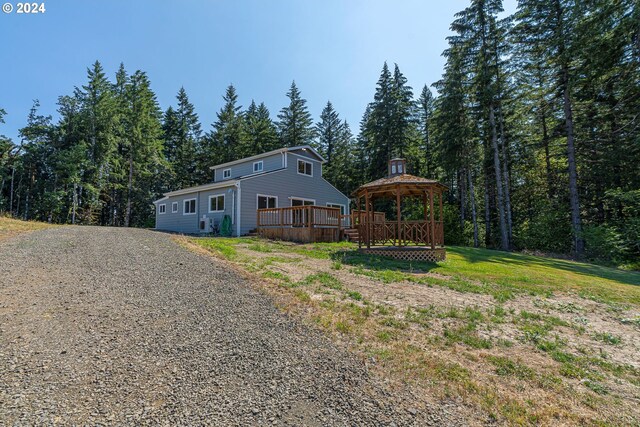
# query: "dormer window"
[[258, 166], [226, 173]]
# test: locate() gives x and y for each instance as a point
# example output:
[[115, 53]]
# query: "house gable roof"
[[270, 153]]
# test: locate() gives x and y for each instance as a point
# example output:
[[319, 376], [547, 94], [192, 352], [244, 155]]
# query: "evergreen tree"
[[227, 136], [99, 120], [8, 158], [391, 127], [261, 134], [182, 138], [552, 24], [143, 150], [295, 125], [424, 119], [329, 131]]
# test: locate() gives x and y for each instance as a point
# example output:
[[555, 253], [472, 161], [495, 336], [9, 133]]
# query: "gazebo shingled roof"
[[409, 185]]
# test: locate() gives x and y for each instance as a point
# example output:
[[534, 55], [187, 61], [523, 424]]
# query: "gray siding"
[[191, 223], [284, 185], [304, 153], [270, 163]]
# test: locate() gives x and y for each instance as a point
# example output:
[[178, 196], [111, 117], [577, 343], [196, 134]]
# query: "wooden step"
[[352, 235]]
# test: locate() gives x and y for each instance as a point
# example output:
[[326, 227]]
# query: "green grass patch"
[[466, 335], [354, 295], [503, 274], [607, 338], [507, 367], [325, 279], [220, 245]]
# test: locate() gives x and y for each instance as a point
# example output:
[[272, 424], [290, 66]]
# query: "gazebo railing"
[[404, 233]]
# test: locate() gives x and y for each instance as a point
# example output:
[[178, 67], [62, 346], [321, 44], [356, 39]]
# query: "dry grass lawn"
[[507, 338], [10, 227]]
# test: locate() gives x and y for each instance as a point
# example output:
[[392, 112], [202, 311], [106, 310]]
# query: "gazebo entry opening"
[[409, 239]]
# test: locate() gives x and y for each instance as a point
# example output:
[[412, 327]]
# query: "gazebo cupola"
[[397, 167]]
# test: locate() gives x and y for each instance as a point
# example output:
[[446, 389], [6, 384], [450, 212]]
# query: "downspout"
[[238, 216], [197, 212]]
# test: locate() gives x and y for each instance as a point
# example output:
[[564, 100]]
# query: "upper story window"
[[257, 166], [189, 207], [226, 173], [162, 208], [216, 203], [305, 168], [174, 207]]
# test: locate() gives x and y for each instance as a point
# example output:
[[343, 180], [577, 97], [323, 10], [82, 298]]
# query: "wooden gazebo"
[[420, 240]]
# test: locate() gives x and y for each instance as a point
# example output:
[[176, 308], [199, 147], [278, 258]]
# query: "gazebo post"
[[398, 213], [359, 221], [424, 206], [433, 221], [441, 217], [368, 221]]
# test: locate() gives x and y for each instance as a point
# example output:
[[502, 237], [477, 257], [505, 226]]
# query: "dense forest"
[[535, 128]]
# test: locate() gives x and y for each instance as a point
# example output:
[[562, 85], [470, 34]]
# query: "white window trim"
[[338, 204], [261, 163], [184, 211], [298, 167], [291, 199], [174, 207], [162, 209], [266, 195], [217, 195], [223, 173]]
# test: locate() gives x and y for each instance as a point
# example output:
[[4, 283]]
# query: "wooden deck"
[[305, 224]]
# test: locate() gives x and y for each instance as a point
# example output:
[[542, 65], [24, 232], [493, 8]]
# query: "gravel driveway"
[[120, 326]]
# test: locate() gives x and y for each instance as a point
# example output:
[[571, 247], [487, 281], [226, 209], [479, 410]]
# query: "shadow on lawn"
[[474, 256], [488, 257]]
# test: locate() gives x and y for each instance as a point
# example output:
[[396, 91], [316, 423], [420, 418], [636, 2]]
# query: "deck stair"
[[352, 235]]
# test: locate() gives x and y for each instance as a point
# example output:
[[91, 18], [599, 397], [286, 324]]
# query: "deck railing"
[[402, 234], [356, 217], [300, 216]]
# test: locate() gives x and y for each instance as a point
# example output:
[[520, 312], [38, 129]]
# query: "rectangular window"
[[343, 208], [189, 207], [174, 207], [265, 202], [216, 203], [257, 166], [302, 202], [393, 168], [305, 168], [162, 208], [226, 173]]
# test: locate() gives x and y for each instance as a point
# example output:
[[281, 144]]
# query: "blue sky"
[[333, 49]]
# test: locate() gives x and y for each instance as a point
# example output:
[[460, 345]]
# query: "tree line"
[[534, 128]]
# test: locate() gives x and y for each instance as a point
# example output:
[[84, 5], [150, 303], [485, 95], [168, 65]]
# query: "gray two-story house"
[[279, 178]]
